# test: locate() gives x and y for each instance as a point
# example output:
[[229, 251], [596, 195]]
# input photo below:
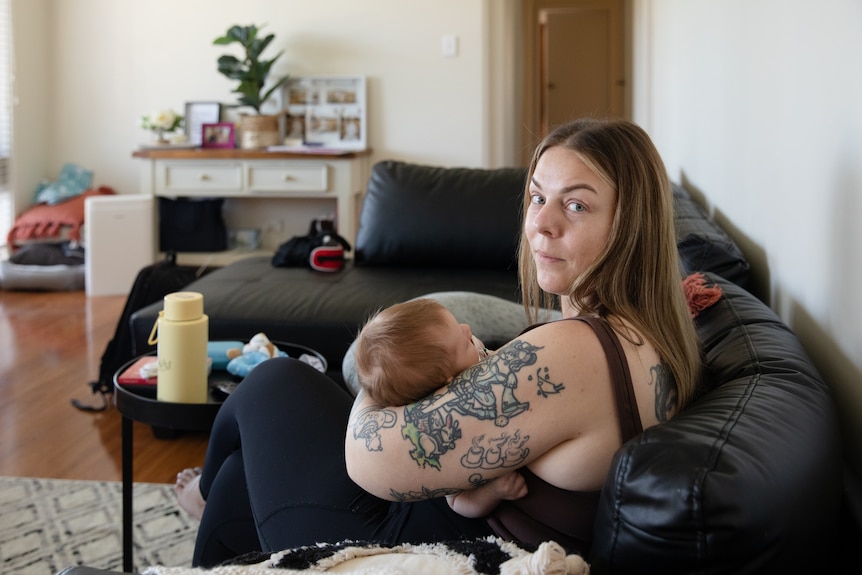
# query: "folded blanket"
[[468, 557], [47, 221]]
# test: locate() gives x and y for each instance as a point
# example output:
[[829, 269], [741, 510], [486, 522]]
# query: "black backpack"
[[151, 284]]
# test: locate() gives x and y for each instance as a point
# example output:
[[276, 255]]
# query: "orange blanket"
[[46, 221]]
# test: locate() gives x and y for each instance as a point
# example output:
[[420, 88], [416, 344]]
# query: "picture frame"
[[198, 114], [326, 111], [217, 135]]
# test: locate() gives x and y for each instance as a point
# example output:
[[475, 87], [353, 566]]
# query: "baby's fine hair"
[[400, 356]]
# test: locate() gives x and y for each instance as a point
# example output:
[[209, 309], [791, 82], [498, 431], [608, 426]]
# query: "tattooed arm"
[[493, 418]]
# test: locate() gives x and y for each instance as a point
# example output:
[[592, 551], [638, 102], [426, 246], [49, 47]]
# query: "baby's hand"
[[510, 486]]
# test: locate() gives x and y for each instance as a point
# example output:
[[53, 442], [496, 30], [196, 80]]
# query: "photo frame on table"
[[328, 111], [198, 114], [217, 135]]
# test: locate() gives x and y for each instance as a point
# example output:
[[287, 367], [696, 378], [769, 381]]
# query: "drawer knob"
[[204, 177], [288, 178]]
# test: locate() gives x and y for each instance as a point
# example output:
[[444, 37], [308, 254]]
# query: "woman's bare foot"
[[188, 492]]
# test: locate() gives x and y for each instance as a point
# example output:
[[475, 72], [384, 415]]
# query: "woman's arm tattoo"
[[476, 480], [665, 391], [367, 423], [485, 391], [504, 450]]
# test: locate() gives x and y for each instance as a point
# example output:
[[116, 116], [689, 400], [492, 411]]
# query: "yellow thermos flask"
[[182, 334]]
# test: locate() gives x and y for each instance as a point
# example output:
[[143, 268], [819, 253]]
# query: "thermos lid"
[[184, 306]]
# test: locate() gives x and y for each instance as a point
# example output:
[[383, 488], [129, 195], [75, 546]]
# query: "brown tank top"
[[550, 513]]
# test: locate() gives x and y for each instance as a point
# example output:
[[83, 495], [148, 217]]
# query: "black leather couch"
[[748, 479]]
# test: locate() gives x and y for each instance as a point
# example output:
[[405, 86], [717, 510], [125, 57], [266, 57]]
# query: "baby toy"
[[249, 356]]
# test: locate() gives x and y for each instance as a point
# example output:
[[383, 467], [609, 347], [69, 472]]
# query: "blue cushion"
[[73, 181]]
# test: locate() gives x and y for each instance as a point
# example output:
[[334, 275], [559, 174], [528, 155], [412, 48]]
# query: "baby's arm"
[[481, 501]]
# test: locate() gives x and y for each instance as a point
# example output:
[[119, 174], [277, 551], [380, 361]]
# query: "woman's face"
[[569, 218]]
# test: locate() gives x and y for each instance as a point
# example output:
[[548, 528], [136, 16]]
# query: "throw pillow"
[[72, 182]]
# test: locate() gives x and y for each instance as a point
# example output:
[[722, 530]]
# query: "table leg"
[[127, 494]]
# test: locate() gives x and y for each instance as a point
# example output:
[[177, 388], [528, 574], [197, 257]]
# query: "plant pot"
[[258, 131]]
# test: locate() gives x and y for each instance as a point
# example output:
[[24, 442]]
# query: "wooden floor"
[[50, 348]]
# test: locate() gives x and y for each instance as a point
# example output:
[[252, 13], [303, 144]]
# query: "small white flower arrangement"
[[161, 122]]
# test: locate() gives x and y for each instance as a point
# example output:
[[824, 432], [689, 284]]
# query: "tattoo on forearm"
[[665, 391], [485, 391], [422, 494], [475, 480], [368, 422]]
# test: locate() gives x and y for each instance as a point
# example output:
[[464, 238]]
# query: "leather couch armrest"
[[748, 478]]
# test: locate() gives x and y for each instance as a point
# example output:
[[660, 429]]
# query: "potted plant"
[[252, 72]]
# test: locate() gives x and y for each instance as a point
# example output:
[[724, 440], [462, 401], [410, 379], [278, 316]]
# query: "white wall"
[[88, 69], [756, 105], [31, 96]]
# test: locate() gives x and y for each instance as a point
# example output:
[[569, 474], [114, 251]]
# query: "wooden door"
[[574, 63]]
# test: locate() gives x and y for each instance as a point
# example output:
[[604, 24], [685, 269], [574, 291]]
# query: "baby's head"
[[411, 349]]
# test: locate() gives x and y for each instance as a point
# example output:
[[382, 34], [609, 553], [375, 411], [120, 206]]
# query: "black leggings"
[[275, 478]]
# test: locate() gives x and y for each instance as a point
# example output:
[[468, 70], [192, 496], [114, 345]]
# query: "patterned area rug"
[[49, 524]]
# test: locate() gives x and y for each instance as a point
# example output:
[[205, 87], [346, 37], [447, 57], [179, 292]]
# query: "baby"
[[410, 350]]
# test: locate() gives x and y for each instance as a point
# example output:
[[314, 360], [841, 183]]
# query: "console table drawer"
[[287, 178], [198, 178]]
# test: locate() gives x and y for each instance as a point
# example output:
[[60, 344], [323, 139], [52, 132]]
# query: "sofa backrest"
[[429, 216], [703, 245], [424, 216]]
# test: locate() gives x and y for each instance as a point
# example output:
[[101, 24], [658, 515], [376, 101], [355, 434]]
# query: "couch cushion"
[[748, 479], [703, 245], [415, 215]]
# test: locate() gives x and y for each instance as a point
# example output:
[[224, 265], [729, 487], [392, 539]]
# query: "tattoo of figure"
[[665, 391], [484, 391], [368, 423]]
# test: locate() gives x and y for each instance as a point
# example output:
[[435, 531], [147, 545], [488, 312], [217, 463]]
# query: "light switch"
[[449, 45]]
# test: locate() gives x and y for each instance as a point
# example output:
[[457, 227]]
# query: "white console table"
[[263, 190]]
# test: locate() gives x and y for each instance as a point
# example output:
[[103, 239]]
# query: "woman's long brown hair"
[[637, 278]]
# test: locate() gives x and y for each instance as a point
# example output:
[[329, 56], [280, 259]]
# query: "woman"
[[555, 403]]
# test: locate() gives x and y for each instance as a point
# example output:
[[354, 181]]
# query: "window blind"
[[7, 215]]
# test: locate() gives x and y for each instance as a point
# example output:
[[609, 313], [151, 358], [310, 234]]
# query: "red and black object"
[[327, 258]]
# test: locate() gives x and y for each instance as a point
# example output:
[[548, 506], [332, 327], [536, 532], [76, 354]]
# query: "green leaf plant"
[[251, 72]]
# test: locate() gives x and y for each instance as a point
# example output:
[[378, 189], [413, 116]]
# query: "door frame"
[[531, 124]]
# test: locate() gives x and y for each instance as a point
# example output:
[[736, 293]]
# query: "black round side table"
[[139, 403]]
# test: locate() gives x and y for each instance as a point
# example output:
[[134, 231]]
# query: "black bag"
[[321, 249], [151, 284], [192, 225]]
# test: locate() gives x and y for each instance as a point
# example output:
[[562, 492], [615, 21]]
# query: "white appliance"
[[119, 239]]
